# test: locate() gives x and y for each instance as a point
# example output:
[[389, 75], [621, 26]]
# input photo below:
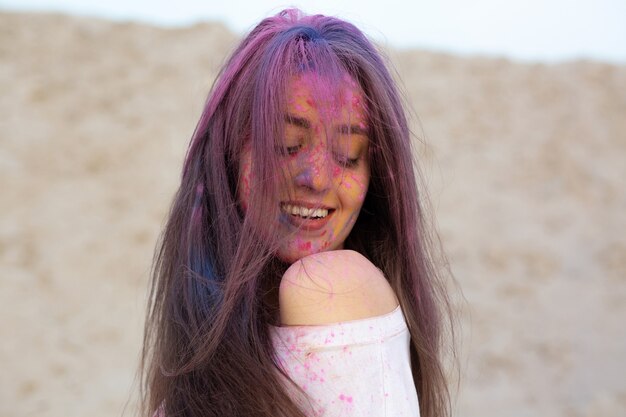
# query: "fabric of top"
[[357, 368]]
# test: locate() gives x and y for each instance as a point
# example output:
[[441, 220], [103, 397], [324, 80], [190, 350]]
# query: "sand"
[[526, 165]]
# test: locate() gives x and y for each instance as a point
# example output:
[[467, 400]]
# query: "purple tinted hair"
[[207, 349]]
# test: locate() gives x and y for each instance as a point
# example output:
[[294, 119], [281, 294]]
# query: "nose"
[[314, 171]]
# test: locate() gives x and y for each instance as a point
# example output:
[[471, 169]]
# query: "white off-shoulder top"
[[357, 368]]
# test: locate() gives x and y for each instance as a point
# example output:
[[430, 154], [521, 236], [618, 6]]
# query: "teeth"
[[320, 213], [304, 212]]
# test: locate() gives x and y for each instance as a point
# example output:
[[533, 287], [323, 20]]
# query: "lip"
[[307, 224]]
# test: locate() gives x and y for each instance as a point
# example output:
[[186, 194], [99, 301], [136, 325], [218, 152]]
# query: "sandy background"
[[526, 165]]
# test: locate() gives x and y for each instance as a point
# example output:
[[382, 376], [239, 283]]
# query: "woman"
[[297, 214]]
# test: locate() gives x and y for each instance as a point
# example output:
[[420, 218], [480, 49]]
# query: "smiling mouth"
[[304, 212]]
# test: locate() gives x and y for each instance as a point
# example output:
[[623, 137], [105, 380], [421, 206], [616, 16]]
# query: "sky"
[[530, 30]]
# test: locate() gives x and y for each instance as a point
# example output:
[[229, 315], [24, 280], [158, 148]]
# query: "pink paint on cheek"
[[360, 184], [337, 171], [356, 179], [345, 183], [304, 246]]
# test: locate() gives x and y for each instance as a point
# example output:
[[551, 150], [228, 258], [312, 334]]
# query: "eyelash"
[[347, 162], [287, 150]]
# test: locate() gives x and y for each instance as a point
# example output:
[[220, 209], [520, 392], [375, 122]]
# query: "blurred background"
[[519, 112]]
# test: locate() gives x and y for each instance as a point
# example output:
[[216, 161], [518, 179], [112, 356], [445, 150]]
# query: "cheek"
[[353, 187], [245, 169]]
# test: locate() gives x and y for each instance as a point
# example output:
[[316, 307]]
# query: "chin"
[[291, 254], [291, 257]]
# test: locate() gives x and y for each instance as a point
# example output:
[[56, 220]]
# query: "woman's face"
[[324, 158]]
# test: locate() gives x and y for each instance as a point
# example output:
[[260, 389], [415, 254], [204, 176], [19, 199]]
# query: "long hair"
[[207, 350]]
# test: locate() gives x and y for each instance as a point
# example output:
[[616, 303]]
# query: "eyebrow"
[[344, 128], [297, 121]]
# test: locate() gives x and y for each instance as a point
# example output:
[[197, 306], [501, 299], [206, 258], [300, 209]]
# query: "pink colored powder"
[[345, 398], [304, 246]]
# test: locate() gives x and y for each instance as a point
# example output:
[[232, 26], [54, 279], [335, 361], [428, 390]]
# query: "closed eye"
[[288, 150], [346, 162], [292, 150]]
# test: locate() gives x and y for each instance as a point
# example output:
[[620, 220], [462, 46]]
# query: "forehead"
[[309, 93]]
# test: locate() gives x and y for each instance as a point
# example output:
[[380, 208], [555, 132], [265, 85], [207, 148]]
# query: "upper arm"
[[333, 286]]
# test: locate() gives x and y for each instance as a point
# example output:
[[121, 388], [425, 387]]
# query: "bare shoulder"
[[333, 286]]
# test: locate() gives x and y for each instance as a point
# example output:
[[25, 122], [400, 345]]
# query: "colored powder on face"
[[306, 176], [314, 169], [325, 245], [304, 246], [356, 101]]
